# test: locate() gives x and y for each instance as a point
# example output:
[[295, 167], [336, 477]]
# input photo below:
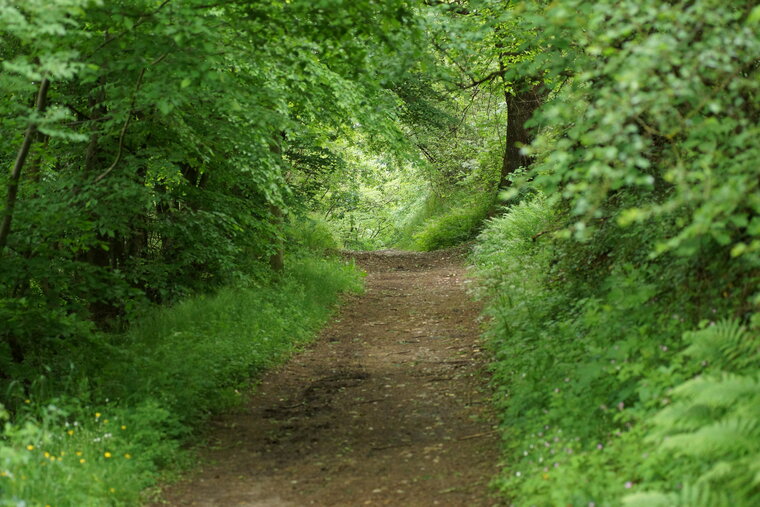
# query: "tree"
[[157, 177]]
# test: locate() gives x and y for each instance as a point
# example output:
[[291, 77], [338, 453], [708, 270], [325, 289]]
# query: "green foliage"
[[172, 133], [660, 100], [314, 235], [586, 352], [127, 401], [452, 227], [645, 233], [65, 455], [713, 423], [621, 281], [456, 165]]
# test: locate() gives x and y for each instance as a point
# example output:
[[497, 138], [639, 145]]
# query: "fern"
[[690, 495], [722, 392], [726, 345], [727, 437], [714, 420]]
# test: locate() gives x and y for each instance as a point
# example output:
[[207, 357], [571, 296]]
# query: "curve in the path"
[[388, 407]]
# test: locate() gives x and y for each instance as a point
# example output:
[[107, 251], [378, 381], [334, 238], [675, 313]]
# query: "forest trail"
[[387, 407]]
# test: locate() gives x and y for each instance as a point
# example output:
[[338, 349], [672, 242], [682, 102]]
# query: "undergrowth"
[[106, 419], [442, 222], [313, 233], [620, 377]]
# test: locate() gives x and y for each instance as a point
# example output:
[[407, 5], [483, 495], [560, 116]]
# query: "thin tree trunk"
[[277, 259], [18, 166]]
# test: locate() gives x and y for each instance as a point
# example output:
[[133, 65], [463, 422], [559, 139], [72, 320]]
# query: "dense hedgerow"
[[105, 419]]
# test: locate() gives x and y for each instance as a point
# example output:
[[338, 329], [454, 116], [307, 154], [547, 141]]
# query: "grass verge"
[[127, 402]]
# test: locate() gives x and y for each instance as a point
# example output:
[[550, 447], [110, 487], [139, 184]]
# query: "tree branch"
[[123, 132], [140, 21], [23, 152], [478, 82]]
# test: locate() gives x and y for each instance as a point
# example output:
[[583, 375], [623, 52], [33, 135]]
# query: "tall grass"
[[130, 400]]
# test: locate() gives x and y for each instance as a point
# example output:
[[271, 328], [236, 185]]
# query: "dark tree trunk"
[[521, 104], [15, 346]]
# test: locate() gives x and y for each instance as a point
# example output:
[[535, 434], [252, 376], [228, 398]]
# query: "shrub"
[[452, 227], [312, 234]]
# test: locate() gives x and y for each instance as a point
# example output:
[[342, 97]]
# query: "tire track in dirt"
[[387, 407]]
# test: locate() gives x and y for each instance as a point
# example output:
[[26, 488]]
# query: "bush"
[[452, 227], [312, 234]]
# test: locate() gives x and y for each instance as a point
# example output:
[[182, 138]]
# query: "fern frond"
[[719, 392], [650, 499], [733, 436], [726, 344]]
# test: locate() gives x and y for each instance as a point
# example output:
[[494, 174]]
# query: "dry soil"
[[388, 407]]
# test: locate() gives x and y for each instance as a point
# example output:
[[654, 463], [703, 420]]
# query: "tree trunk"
[[277, 259], [18, 166], [521, 104]]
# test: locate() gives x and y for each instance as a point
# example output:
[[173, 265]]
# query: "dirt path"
[[388, 407]]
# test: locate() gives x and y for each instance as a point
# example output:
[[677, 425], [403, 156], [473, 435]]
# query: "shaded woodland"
[[177, 176]]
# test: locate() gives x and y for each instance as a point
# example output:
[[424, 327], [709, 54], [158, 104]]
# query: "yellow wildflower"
[[128, 456], [82, 460], [107, 454], [30, 447]]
